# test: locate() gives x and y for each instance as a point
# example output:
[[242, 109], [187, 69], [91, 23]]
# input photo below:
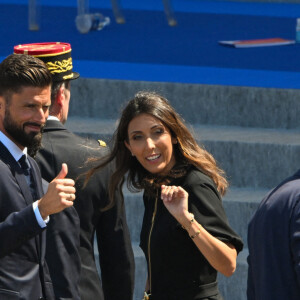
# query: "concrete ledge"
[[255, 165], [240, 205], [202, 104]]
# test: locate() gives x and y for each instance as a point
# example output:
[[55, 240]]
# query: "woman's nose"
[[150, 143]]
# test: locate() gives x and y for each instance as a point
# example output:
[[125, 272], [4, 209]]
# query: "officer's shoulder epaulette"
[[101, 143]]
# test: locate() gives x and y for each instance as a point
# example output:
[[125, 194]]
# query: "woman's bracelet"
[[194, 235], [192, 219], [146, 296]]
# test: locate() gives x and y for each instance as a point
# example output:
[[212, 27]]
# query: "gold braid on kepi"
[[56, 56]]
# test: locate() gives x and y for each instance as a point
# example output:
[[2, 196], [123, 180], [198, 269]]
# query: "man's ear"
[[2, 105], [60, 96]]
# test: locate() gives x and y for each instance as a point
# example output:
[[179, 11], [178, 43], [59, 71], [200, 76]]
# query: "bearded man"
[[25, 89]]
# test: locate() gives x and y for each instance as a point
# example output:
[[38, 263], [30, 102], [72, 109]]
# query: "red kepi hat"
[[56, 56]]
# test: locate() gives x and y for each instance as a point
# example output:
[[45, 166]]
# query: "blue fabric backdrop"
[[146, 48]]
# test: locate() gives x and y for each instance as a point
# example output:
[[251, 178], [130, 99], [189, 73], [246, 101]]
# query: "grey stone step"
[[240, 205], [251, 157], [198, 104]]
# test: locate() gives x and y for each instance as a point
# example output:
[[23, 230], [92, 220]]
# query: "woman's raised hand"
[[175, 199]]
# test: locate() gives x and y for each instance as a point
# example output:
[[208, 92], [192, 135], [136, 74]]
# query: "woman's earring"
[[132, 154]]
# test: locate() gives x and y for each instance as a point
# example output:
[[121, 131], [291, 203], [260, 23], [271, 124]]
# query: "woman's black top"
[[176, 267]]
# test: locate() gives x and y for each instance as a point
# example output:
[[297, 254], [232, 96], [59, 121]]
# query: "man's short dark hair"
[[21, 70], [56, 85]]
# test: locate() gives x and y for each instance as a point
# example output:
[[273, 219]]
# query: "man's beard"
[[32, 140]]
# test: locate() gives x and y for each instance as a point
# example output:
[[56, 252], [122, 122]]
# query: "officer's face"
[[23, 116]]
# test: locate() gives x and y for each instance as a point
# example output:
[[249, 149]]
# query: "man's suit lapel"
[[36, 177], [39, 191], [17, 172]]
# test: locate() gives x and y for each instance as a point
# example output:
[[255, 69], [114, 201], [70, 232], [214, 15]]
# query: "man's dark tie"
[[24, 163]]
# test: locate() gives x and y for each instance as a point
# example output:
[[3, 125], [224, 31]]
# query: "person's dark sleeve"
[[295, 238], [16, 229], [250, 283], [115, 253], [62, 254], [206, 205]]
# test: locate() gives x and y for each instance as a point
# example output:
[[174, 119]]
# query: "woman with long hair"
[[185, 234]]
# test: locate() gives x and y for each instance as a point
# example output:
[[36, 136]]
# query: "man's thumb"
[[63, 172]]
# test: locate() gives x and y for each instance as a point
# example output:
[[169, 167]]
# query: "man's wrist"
[[42, 212], [42, 221]]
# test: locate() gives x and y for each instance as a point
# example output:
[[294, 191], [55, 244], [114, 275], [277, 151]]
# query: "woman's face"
[[151, 143]]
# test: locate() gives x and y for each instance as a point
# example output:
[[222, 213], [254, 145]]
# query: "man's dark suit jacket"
[[23, 271], [274, 245], [114, 245]]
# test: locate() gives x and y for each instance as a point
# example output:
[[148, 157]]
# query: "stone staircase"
[[254, 134]]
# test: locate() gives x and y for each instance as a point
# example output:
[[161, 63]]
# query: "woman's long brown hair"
[[186, 148]]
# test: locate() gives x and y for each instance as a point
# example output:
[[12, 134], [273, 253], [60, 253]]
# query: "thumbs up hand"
[[63, 172], [60, 194]]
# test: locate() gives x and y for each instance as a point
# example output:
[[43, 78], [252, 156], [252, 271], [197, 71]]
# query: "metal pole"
[[82, 7], [169, 13], [34, 15], [117, 11]]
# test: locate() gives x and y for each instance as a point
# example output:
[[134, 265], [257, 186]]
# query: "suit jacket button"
[[41, 298]]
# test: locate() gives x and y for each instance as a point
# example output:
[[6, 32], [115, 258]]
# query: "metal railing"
[[34, 8]]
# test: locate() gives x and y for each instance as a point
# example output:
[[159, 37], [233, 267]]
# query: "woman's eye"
[[159, 131], [137, 137]]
